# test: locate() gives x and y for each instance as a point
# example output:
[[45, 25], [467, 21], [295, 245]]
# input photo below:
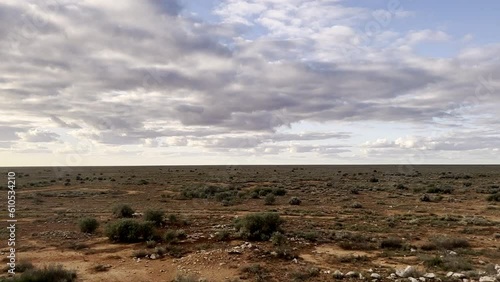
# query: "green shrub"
[[88, 225], [270, 199], [129, 231], [155, 216], [294, 201], [123, 210], [258, 226], [45, 274]]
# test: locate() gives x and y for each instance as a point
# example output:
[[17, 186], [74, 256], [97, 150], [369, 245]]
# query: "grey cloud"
[[8, 133], [35, 135]]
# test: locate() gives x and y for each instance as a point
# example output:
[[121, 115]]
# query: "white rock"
[[487, 279], [337, 274], [375, 276], [152, 256], [421, 279], [452, 253], [449, 274], [430, 275], [413, 279], [351, 274], [405, 272], [458, 275]]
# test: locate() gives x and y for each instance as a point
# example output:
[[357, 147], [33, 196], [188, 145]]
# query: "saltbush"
[[88, 225], [129, 231], [258, 226]]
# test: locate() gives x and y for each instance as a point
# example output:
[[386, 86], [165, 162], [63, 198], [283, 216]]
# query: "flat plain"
[[375, 220]]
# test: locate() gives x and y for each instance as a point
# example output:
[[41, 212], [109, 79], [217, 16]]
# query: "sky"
[[249, 82]]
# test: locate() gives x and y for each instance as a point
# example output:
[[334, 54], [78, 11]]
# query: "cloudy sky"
[[249, 82]]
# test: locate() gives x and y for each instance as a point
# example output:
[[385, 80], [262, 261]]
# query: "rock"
[[412, 250], [449, 274], [295, 260], [452, 253], [337, 274], [407, 272], [421, 279], [352, 274], [458, 275], [392, 276], [487, 279], [234, 252], [430, 275], [153, 256], [413, 279], [375, 276]]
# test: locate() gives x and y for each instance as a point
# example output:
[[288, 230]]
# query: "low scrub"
[[155, 216], [88, 225], [47, 273], [123, 211], [129, 231], [258, 226], [391, 243], [450, 243]]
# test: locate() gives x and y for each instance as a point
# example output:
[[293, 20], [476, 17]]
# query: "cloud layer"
[[150, 74]]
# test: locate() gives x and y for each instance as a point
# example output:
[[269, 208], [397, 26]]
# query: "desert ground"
[[373, 223]]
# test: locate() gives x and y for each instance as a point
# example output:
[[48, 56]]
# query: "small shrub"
[[435, 261], [279, 192], [305, 274], [311, 236], [123, 211], [88, 225], [391, 243], [257, 271], [170, 237], [356, 206], [258, 226], [450, 243], [24, 266], [155, 216], [129, 231], [278, 239], [186, 278], [101, 268], [150, 244], [294, 201], [47, 273], [223, 235], [270, 199]]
